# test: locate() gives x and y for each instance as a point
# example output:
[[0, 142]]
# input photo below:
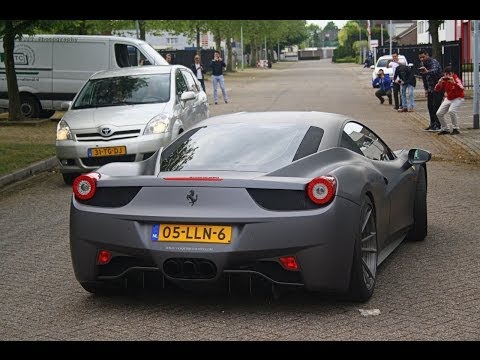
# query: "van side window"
[[121, 55], [126, 55]]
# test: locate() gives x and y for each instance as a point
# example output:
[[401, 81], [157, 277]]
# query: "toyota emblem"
[[106, 131]]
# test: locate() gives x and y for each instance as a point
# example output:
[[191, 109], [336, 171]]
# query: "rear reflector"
[[104, 257], [289, 263]]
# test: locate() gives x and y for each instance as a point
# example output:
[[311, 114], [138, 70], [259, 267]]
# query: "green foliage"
[[18, 156], [343, 52]]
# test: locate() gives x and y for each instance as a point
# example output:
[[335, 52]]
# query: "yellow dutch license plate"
[[195, 233], [107, 151]]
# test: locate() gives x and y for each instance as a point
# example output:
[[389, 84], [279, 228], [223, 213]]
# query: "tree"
[[330, 26], [433, 26], [9, 31]]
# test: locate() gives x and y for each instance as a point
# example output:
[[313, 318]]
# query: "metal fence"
[[185, 57]]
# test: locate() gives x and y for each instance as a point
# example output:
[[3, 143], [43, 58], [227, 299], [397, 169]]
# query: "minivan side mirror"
[[65, 105], [187, 95]]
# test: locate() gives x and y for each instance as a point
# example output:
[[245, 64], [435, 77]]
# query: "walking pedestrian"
[[454, 97], [431, 72]]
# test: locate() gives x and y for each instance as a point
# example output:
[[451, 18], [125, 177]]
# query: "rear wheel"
[[419, 230], [364, 265], [29, 106]]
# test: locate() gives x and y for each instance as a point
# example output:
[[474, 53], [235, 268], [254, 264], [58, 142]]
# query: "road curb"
[[33, 169]]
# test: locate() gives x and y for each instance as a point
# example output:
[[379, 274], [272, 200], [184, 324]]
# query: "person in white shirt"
[[397, 101], [199, 70]]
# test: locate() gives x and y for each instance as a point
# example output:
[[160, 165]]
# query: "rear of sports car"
[[201, 230], [228, 199]]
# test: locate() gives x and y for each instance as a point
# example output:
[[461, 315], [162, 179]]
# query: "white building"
[[166, 40]]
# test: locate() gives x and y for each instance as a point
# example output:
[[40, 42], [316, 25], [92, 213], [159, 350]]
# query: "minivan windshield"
[[124, 90]]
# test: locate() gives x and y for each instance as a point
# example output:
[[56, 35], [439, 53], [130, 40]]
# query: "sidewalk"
[[469, 138]]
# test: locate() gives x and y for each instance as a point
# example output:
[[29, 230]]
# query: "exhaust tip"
[[171, 267]]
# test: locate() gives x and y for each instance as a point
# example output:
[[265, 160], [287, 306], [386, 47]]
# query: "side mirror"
[[372, 67], [418, 156], [65, 105], [187, 95]]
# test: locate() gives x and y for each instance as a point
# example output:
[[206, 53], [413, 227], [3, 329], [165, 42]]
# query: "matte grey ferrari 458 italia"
[[287, 199]]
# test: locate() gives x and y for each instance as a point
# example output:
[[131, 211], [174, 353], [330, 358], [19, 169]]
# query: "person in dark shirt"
[[405, 77], [431, 72], [217, 65]]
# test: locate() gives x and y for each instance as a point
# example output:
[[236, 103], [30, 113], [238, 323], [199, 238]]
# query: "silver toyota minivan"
[[127, 115]]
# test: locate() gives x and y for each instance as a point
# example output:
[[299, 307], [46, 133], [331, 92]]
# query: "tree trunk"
[[230, 59], [14, 111], [433, 26], [198, 40], [253, 57], [141, 25], [82, 30], [218, 41]]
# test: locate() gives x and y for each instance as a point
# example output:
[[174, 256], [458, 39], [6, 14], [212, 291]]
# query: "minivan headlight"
[[63, 131], [159, 124]]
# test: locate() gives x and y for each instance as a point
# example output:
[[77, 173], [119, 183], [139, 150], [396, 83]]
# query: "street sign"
[[373, 43]]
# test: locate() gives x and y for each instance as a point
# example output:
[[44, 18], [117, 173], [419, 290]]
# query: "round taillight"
[[321, 190], [85, 186]]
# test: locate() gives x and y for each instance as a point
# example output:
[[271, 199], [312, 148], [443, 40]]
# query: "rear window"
[[382, 63], [236, 147]]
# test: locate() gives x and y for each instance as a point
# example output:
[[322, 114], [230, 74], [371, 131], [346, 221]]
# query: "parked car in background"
[[269, 200], [126, 115], [382, 63]]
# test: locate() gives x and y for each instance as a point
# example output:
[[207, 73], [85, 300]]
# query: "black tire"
[[418, 232], [68, 178], [365, 260], [46, 114], [29, 106]]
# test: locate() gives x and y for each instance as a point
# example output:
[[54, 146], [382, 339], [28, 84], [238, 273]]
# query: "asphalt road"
[[425, 291]]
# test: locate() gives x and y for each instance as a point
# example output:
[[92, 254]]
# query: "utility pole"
[[241, 41], [476, 58], [390, 36], [381, 33], [359, 41]]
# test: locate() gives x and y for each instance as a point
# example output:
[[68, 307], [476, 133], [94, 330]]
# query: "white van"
[[51, 69]]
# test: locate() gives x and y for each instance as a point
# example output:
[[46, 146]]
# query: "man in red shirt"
[[454, 97]]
